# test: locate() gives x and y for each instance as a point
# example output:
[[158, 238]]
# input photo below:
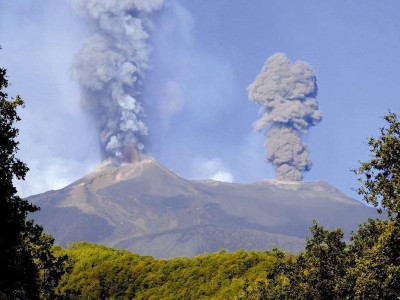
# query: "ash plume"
[[110, 69], [287, 94]]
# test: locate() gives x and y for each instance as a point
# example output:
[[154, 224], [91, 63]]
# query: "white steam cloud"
[[110, 69], [211, 169], [287, 94]]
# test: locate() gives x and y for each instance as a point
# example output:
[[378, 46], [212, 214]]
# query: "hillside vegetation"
[[367, 268], [99, 272]]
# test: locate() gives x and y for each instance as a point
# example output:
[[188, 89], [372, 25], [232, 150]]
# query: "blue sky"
[[205, 54]]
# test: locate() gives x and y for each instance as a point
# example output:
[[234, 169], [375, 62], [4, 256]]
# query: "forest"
[[366, 268]]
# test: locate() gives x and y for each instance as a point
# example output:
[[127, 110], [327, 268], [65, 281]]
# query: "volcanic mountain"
[[146, 208]]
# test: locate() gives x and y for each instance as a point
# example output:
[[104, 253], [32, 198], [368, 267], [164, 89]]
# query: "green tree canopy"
[[380, 176]]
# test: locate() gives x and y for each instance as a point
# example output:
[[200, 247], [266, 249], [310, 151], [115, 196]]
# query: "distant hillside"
[[148, 209]]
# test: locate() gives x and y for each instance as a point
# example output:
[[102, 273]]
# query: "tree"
[[375, 271], [25, 251], [374, 267], [318, 271], [380, 177]]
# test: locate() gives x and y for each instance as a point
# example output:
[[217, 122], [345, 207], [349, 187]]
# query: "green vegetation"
[[367, 268], [104, 273], [28, 268], [380, 177]]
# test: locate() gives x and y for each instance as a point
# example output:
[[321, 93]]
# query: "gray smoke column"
[[110, 69], [287, 94]]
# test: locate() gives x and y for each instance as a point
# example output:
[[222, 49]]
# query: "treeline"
[[99, 272], [366, 268]]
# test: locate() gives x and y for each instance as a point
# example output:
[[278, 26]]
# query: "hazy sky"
[[205, 55]]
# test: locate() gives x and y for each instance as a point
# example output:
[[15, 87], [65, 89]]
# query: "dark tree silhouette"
[[29, 270]]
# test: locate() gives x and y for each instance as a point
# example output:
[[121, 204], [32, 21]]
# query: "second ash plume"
[[287, 94], [110, 69]]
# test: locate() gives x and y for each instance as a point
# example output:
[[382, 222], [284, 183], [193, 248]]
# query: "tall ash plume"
[[110, 69], [287, 94]]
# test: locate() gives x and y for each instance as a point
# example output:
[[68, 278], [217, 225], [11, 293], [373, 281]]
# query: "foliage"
[[321, 266], [26, 255], [366, 268], [376, 246], [380, 177], [100, 272], [316, 273], [375, 265], [328, 268]]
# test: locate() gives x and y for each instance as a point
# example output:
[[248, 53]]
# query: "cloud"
[[222, 176], [211, 169], [51, 174]]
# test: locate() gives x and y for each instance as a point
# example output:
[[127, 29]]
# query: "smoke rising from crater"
[[110, 69], [287, 94]]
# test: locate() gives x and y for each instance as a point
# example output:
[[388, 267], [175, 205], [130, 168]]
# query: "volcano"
[[148, 209]]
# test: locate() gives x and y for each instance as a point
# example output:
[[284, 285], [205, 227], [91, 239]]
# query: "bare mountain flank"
[[146, 208]]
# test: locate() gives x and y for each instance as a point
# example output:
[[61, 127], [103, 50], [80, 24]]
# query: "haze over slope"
[[148, 209]]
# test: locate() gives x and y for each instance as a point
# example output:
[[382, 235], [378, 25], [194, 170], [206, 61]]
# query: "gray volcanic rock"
[[148, 209]]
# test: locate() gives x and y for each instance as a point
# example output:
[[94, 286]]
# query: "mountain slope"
[[148, 209]]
